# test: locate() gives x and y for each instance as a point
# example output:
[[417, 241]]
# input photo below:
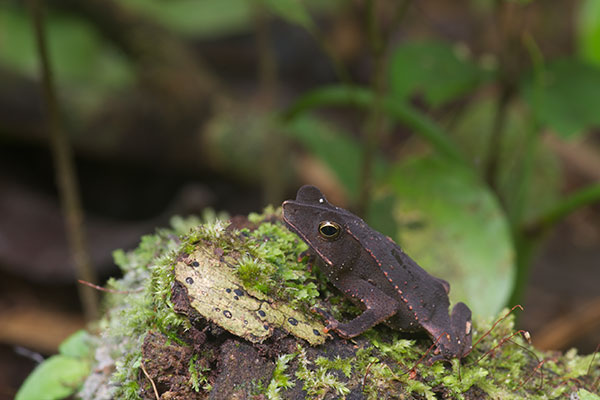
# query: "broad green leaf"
[[585, 395], [61, 375], [438, 70], [294, 11], [454, 228], [77, 52], [78, 345], [337, 149], [85, 66], [588, 31], [219, 18], [56, 378], [472, 134], [206, 18], [568, 98]]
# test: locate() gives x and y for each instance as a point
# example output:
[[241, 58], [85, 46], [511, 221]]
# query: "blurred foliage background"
[[468, 131]]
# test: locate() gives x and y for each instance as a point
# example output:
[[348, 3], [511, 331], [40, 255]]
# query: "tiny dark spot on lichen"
[[262, 313], [228, 290], [293, 321], [195, 264], [239, 292], [236, 298], [316, 332], [189, 280], [227, 313], [266, 326]]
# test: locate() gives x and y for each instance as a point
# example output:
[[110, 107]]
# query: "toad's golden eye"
[[329, 230]]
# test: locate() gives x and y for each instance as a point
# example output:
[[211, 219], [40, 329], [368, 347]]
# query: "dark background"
[[173, 106]]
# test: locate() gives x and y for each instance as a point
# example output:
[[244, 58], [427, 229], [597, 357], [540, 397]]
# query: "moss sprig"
[[317, 381], [280, 379]]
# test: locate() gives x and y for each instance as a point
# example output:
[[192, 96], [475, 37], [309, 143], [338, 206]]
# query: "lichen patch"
[[218, 294]]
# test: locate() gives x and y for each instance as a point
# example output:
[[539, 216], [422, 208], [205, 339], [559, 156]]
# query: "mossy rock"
[[221, 310]]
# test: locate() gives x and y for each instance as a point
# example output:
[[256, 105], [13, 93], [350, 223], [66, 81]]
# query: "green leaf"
[[294, 11], [588, 31], [453, 227], [337, 149], [438, 70], [61, 375], [206, 18], [568, 98], [56, 378], [585, 395], [78, 53], [472, 134], [78, 345], [86, 67]]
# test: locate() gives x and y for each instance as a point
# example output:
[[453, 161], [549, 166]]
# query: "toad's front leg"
[[378, 306]]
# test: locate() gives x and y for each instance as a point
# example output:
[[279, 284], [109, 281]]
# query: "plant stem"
[[337, 95], [582, 197], [65, 172], [528, 238], [267, 61], [524, 243], [524, 251], [493, 153], [273, 180], [375, 122]]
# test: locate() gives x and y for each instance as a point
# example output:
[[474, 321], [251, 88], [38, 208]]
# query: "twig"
[[66, 179], [103, 289], [493, 326], [506, 339], [413, 369], [150, 379], [538, 366], [367, 370]]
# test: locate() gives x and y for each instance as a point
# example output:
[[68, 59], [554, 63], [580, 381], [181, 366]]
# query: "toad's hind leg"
[[451, 333], [460, 320]]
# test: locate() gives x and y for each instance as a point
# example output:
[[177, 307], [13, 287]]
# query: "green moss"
[[344, 365], [319, 381], [198, 378], [388, 364], [280, 379], [266, 260], [144, 304], [271, 265], [256, 274]]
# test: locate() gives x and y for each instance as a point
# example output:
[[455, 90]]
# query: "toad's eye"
[[329, 230]]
